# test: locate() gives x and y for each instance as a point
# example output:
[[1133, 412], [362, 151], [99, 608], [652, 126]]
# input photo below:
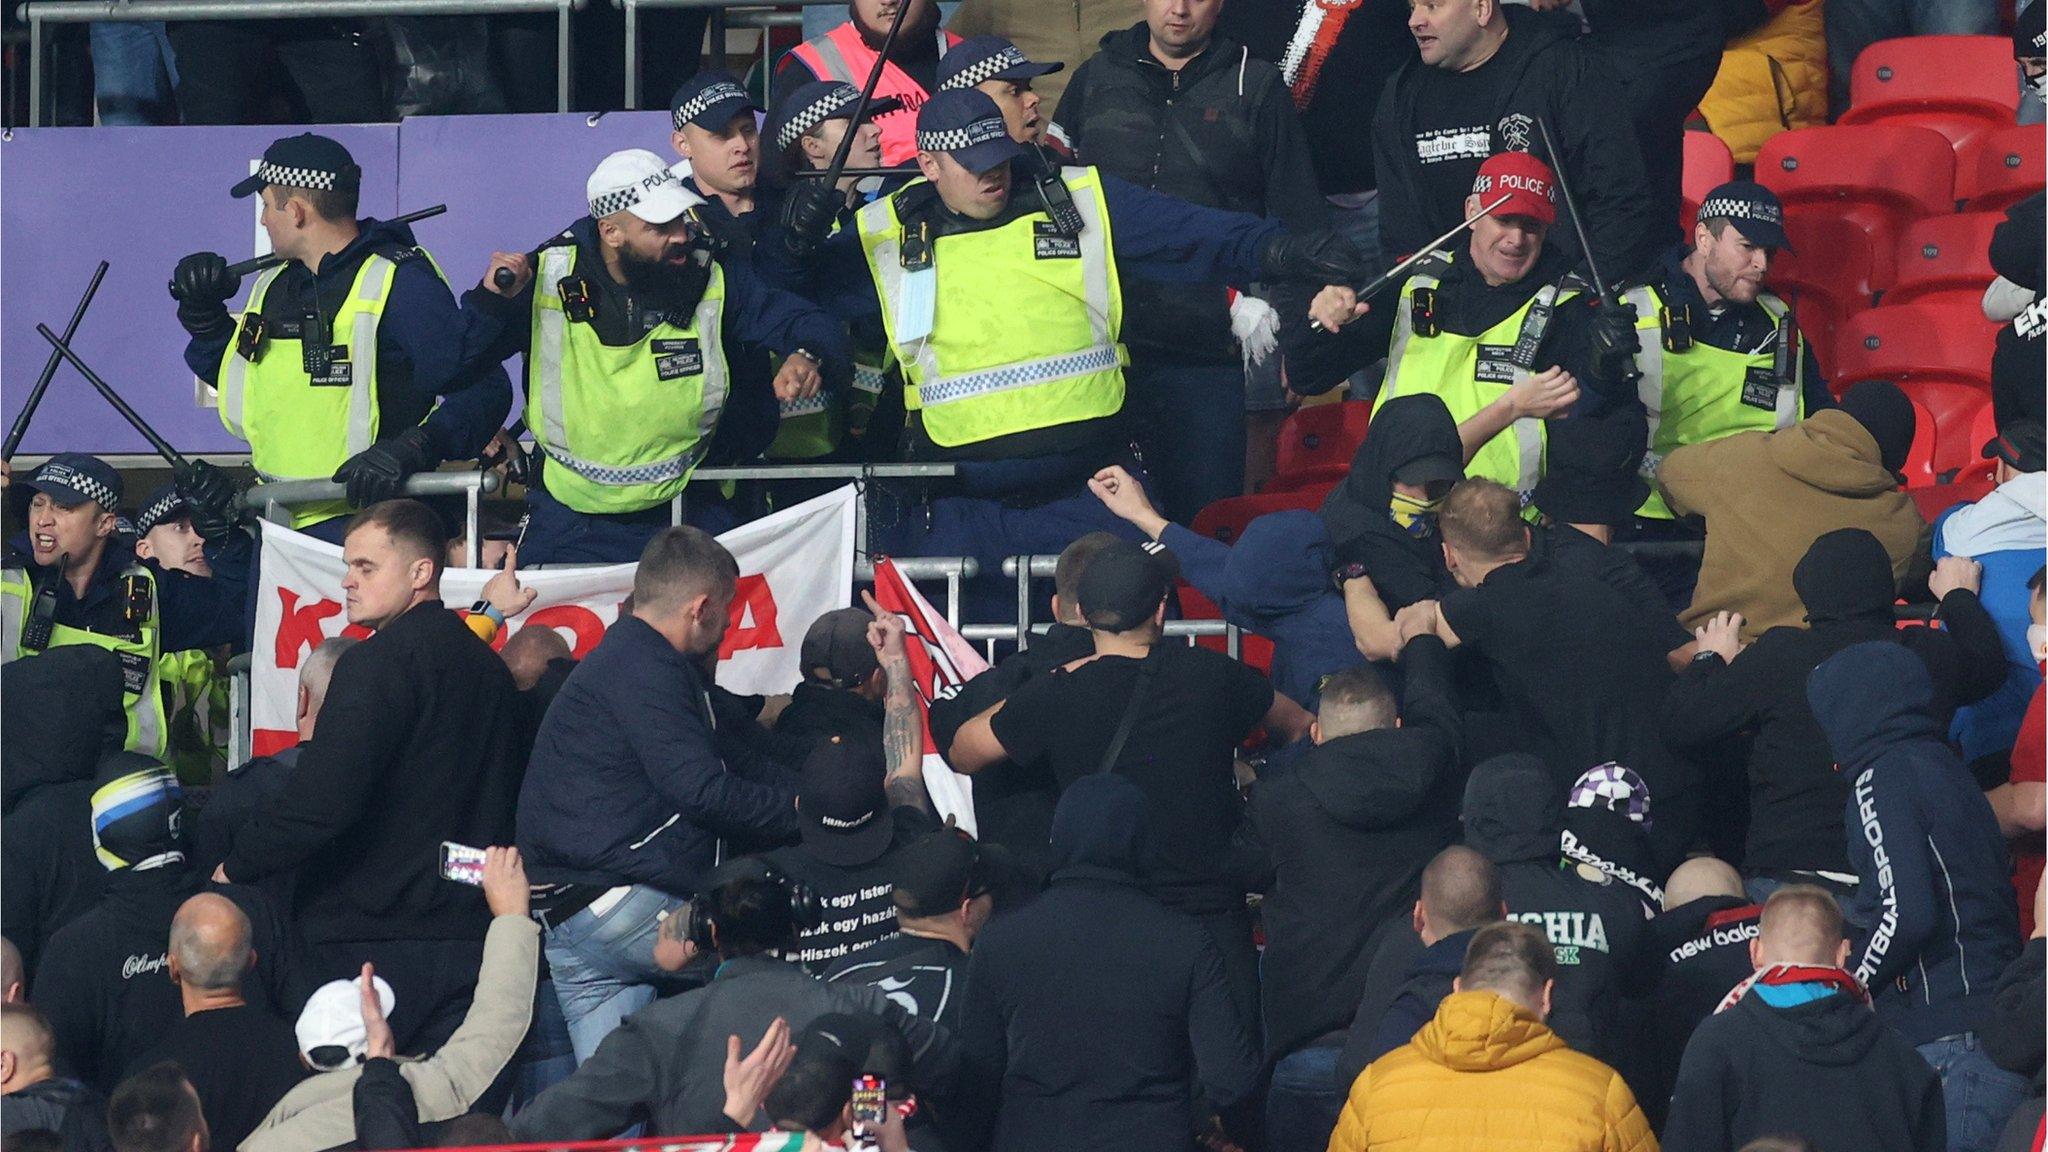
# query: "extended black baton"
[[261, 263], [134, 418], [35, 395]]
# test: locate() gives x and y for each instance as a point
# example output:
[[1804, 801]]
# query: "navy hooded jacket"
[[1936, 921]]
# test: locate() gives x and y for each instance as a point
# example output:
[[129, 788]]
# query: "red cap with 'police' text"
[[1527, 182]]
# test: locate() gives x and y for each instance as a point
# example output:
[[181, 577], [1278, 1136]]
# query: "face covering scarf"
[[1412, 514]]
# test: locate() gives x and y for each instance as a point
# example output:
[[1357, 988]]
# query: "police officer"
[[999, 292], [73, 581], [636, 341], [195, 688], [1719, 354], [999, 69], [1510, 340], [335, 365]]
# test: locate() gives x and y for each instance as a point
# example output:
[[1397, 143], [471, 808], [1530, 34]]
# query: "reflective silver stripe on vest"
[[372, 282], [235, 379], [952, 389], [1528, 430], [555, 263], [1428, 273], [656, 472], [803, 406], [1649, 362], [835, 62], [1789, 366], [869, 380]]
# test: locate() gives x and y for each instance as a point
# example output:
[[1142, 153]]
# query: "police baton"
[[263, 263], [1394, 273], [35, 395], [135, 420], [837, 168], [1571, 207]]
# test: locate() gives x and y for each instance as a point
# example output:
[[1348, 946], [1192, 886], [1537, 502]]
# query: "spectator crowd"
[[1619, 756]]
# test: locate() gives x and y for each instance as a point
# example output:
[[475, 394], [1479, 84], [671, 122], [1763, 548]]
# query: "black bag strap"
[[1147, 668]]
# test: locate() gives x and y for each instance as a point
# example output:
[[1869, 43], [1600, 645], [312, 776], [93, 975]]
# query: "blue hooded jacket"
[[1935, 918]]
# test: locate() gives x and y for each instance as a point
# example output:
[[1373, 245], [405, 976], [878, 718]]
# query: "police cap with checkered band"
[[303, 161], [637, 181], [966, 125], [809, 105], [1752, 208], [72, 478], [979, 59]]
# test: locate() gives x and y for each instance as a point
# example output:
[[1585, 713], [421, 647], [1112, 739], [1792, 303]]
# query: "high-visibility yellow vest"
[[141, 688], [623, 426], [299, 428], [1700, 393], [1024, 329], [1470, 372], [195, 698], [816, 426]]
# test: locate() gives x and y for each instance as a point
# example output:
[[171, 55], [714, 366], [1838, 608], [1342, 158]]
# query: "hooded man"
[[1766, 496], [1796, 795], [1934, 903], [1796, 1048], [1095, 1014]]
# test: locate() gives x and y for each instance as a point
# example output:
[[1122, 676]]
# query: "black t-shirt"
[[859, 902], [241, 1061], [1180, 752], [924, 975]]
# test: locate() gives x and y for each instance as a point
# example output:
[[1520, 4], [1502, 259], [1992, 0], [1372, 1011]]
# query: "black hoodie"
[[1404, 565], [60, 712], [1095, 1014], [1514, 816], [1338, 843], [69, 1108], [1828, 1069], [1796, 794]]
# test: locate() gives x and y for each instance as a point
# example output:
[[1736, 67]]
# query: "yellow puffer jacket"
[[1487, 1074], [1773, 78]]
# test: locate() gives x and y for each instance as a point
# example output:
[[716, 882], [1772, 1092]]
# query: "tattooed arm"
[[902, 729]]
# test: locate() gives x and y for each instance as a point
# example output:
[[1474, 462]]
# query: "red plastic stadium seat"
[[1317, 443], [2003, 168], [1939, 498], [1944, 260], [1960, 86], [1225, 519], [1825, 276], [1983, 429], [1915, 342], [1878, 176], [1919, 469], [1954, 408], [1256, 651], [1708, 165]]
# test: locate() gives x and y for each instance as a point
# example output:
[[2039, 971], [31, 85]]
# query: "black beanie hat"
[[1887, 415], [1844, 575]]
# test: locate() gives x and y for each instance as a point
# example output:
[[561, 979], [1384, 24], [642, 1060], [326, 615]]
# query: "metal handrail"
[[750, 15], [856, 472], [36, 13], [270, 500]]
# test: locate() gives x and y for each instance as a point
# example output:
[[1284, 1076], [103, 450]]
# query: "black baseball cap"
[[844, 809], [2018, 443], [710, 100], [2030, 32], [72, 478], [979, 59], [1752, 208], [933, 875], [1431, 468], [808, 105], [1125, 584], [838, 643], [307, 160]]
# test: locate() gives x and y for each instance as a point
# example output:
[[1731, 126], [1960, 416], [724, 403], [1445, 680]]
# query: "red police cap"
[[1528, 183]]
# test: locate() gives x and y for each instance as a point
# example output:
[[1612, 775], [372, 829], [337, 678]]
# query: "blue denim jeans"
[[604, 966], [1977, 1095], [1305, 1099], [545, 1058], [134, 74]]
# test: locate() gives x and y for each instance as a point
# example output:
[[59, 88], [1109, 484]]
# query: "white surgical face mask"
[[2037, 641]]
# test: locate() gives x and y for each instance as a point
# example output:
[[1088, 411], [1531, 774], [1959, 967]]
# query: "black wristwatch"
[[1346, 574]]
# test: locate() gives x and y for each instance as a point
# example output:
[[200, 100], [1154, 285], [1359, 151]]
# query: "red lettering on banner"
[[750, 622], [580, 621], [299, 628]]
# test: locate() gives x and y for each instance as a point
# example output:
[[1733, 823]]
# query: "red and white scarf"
[[1322, 22], [1776, 974]]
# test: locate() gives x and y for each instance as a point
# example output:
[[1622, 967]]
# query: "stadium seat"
[[1935, 499], [1919, 470], [1983, 429], [1915, 342], [1708, 165], [2003, 168], [1317, 443], [1254, 650], [1960, 86], [1944, 260], [1825, 276], [1226, 518], [1878, 176], [1954, 408]]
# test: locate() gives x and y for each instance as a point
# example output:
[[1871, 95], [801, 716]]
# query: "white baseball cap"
[[330, 1028], [637, 181]]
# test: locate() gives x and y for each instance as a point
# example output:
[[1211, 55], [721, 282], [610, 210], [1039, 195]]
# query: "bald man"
[[240, 1058], [13, 975], [1797, 1049], [529, 652], [33, 1096], [1700, 946]]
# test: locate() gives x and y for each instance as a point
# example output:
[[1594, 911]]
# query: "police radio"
[[1059, 204], [42, 613]]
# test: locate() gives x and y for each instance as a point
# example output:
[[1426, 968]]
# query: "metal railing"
[[1025, 569], [724, 14], [858, 473], [272, 499], [37, 13]]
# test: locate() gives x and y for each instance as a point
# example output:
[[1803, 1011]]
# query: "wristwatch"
[[1346, 574], [815, 359]]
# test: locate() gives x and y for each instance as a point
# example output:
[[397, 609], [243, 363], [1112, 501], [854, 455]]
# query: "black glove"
[[378, 472], [807, 214], [1325, 256], [211, 498], [202, 284], [1615, 342]]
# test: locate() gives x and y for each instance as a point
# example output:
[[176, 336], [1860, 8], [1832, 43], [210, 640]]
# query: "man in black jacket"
[[1095, 1014], [1699, 944], [32, 1094], [943, 887], [1169, 105], [416, 747], [628, 795], [1797, 1050], [1488, 71], [841, 692], [1796, 794], [1338, 842]]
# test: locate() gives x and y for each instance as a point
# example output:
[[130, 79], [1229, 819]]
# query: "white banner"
[[795, 566]]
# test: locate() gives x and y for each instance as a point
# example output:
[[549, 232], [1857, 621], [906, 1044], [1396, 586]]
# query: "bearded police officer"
[[999, 289], [1719, 354], [636, 340], [74, 581], [334, 368]]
